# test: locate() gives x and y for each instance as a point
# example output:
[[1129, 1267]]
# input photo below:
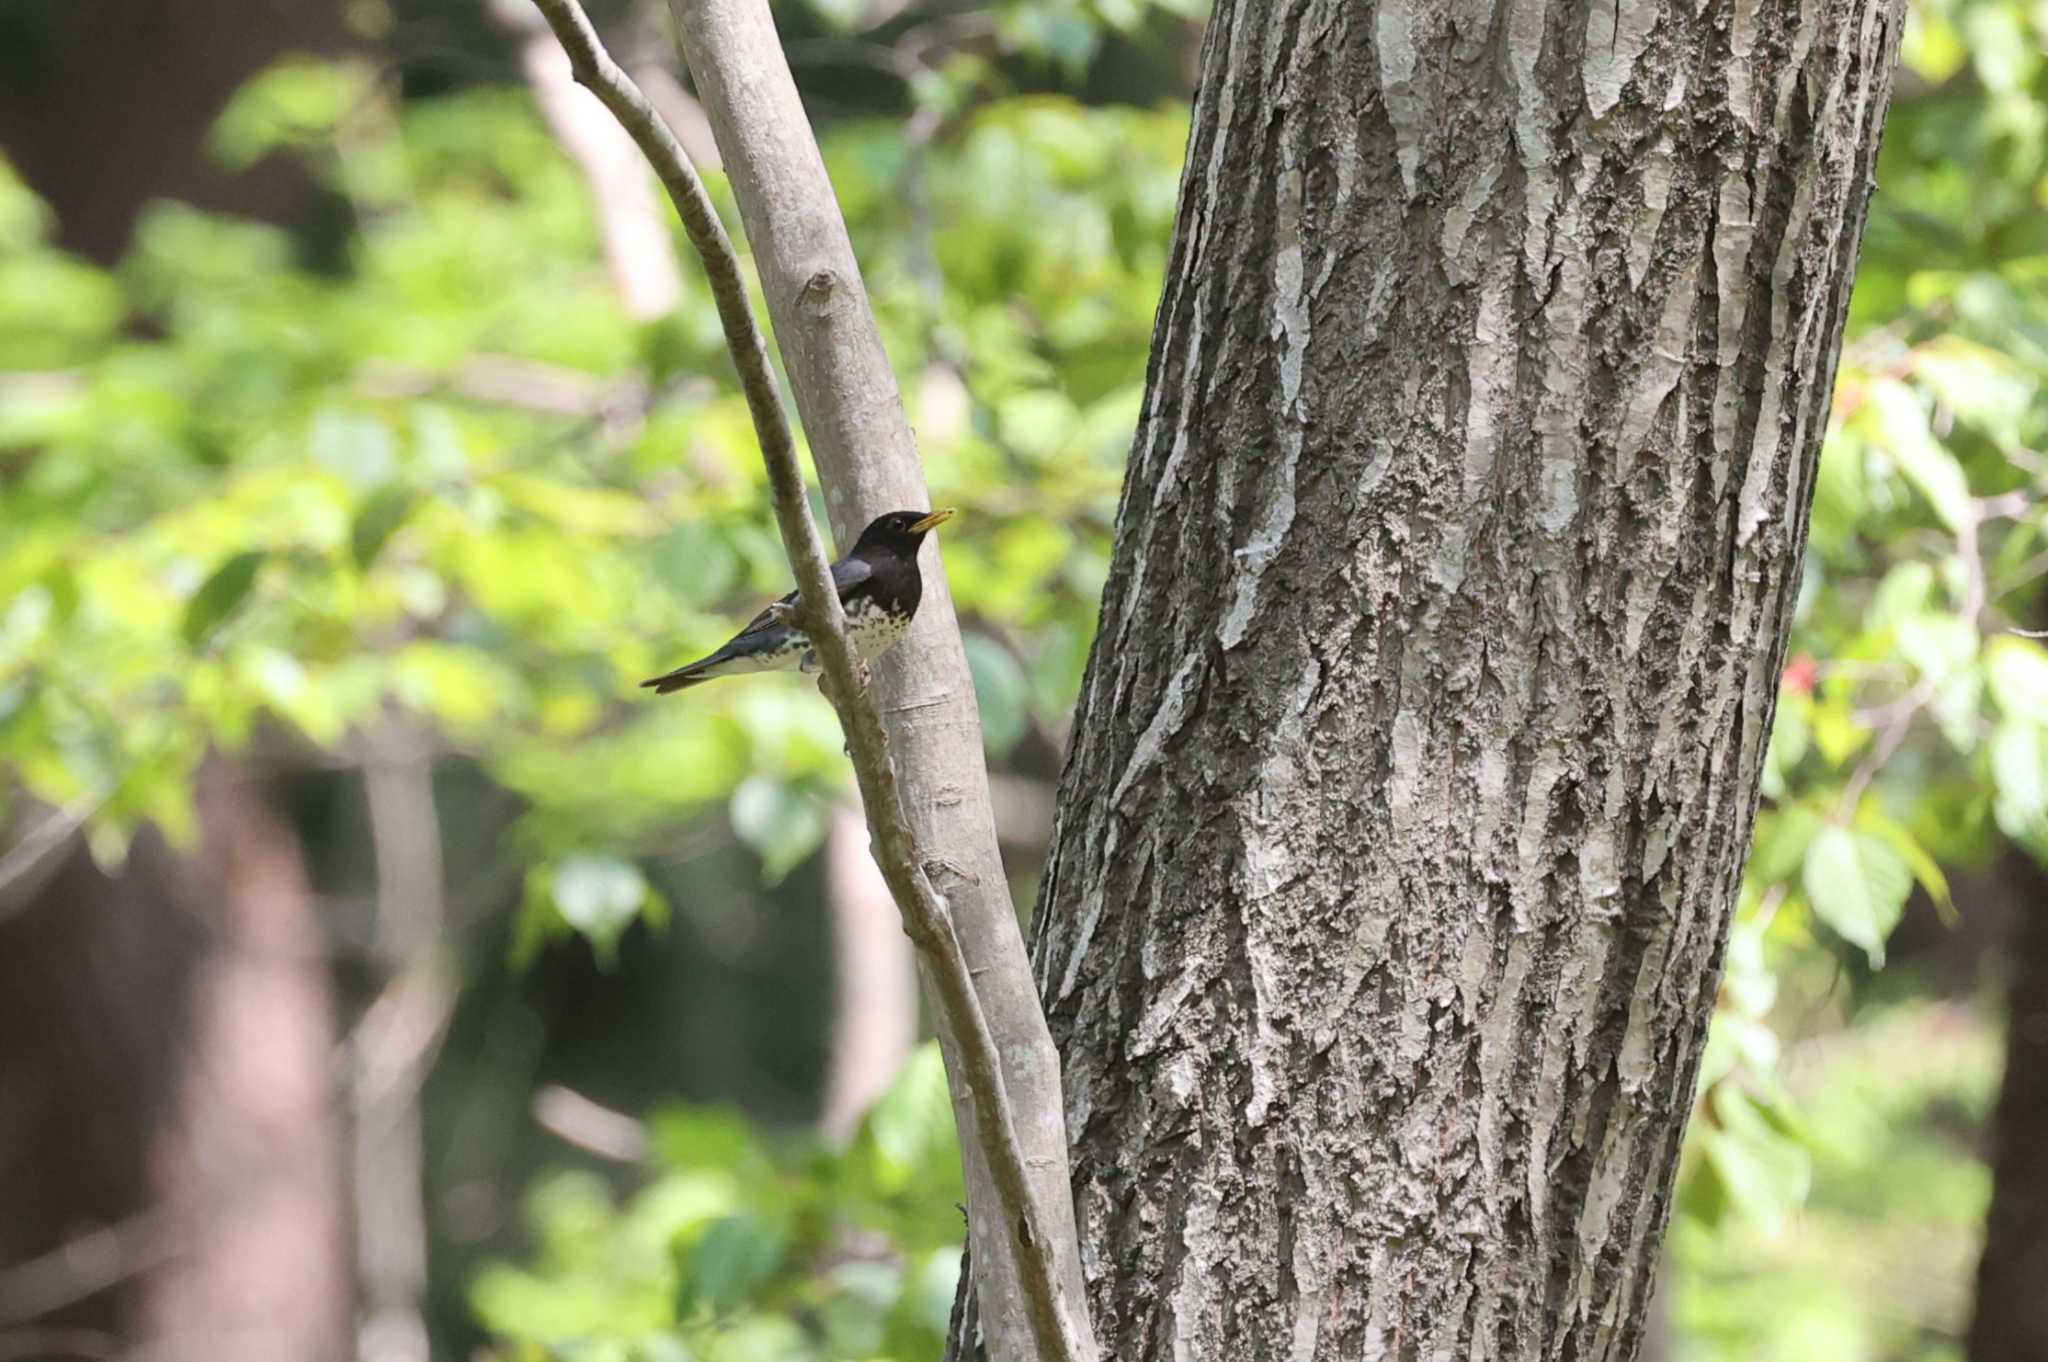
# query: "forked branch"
[[926, 918]]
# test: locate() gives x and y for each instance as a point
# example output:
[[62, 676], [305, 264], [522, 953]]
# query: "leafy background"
[[289, 501]]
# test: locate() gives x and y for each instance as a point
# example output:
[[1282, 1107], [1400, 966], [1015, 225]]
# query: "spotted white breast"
[[874, 630]]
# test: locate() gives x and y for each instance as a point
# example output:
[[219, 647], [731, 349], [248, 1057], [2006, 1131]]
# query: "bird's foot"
[[782, 612], [863, 675]]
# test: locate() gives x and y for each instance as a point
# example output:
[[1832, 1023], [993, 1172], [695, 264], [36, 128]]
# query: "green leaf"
[[600, 896], [2018, 672], [779, 821], [918, 1323], [1747, 981], [1926, 870], [1905, 592], [2004, 52], [1926, 463], [1837, 735], [1778, 848], [1932, 47], [854, 1314], [912, 1124], [701, 1137], [695, 562], [296, 102], [731, 1261], [358, 447], [1857, 885], [2019, 768], [221, 594], [1764, 1173], [1937, 643], [382, 512], [1982, 386]]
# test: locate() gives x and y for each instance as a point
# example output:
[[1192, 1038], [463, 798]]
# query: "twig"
[[509, 381], [926, 918], [44, 1345], [37, 851], [88, 1264], [587, 1125]]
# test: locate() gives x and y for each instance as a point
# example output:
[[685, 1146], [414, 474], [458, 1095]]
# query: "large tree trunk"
[[1416, 763], [2011, 1322]]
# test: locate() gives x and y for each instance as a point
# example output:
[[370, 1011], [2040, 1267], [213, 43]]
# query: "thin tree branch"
[[88, 1264], [44, 1345], [926, 918], [587, 1125], [39, 850], [524, 384]]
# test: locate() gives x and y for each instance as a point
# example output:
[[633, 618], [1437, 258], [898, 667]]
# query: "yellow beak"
[[936, 518]]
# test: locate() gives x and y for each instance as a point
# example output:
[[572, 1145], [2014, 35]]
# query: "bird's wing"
[[847, 574], [765, 639]]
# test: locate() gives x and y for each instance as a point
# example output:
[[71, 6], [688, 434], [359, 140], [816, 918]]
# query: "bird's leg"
[[782, 612]]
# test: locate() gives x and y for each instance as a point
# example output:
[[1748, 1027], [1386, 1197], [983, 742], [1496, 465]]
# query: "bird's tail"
[[682, 678]]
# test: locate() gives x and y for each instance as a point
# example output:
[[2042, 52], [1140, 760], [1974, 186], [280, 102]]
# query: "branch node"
[[819, 290], [937, 868]]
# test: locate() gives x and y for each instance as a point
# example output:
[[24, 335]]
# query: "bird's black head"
[[899, 532]]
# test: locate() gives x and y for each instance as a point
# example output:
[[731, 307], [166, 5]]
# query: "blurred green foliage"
[[743, 1248], [253, 503], [256, 504], [1878, 1262], [259, 504], [1838, 1218]]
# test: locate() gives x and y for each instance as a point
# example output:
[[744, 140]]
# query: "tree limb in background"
[[1051, 1322], [874, 1003], [261, 1272], [395, 1044], [636, 242]]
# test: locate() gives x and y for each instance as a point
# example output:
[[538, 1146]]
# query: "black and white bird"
[[879, 586]]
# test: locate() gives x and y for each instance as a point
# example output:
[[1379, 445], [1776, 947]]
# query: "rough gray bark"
[[1416, 764]]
